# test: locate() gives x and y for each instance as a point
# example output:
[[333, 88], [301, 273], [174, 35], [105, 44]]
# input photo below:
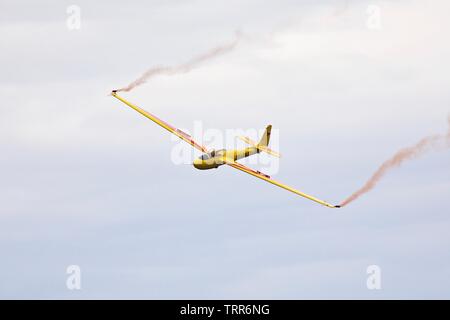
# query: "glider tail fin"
[[263, 143]]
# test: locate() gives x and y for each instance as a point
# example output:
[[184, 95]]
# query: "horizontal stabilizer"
[[260, 147]]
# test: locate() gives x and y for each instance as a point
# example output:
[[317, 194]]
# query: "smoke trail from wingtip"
[[429, 143], [184, 67]]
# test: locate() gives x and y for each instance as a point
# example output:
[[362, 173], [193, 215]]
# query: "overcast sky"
[[86, 181]]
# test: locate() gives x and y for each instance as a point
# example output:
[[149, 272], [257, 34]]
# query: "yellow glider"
[[216, 158]]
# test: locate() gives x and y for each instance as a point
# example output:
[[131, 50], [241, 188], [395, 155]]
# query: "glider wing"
[[179, 133], [267, 178]]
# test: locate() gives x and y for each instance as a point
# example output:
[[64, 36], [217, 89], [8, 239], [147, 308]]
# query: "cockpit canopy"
[[212, 154]]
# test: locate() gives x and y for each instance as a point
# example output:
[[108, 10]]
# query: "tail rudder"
[[264, 142]]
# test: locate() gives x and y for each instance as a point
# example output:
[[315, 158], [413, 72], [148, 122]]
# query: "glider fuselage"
[[214, 159]]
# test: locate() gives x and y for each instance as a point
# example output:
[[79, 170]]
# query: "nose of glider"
[[197, 163]]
